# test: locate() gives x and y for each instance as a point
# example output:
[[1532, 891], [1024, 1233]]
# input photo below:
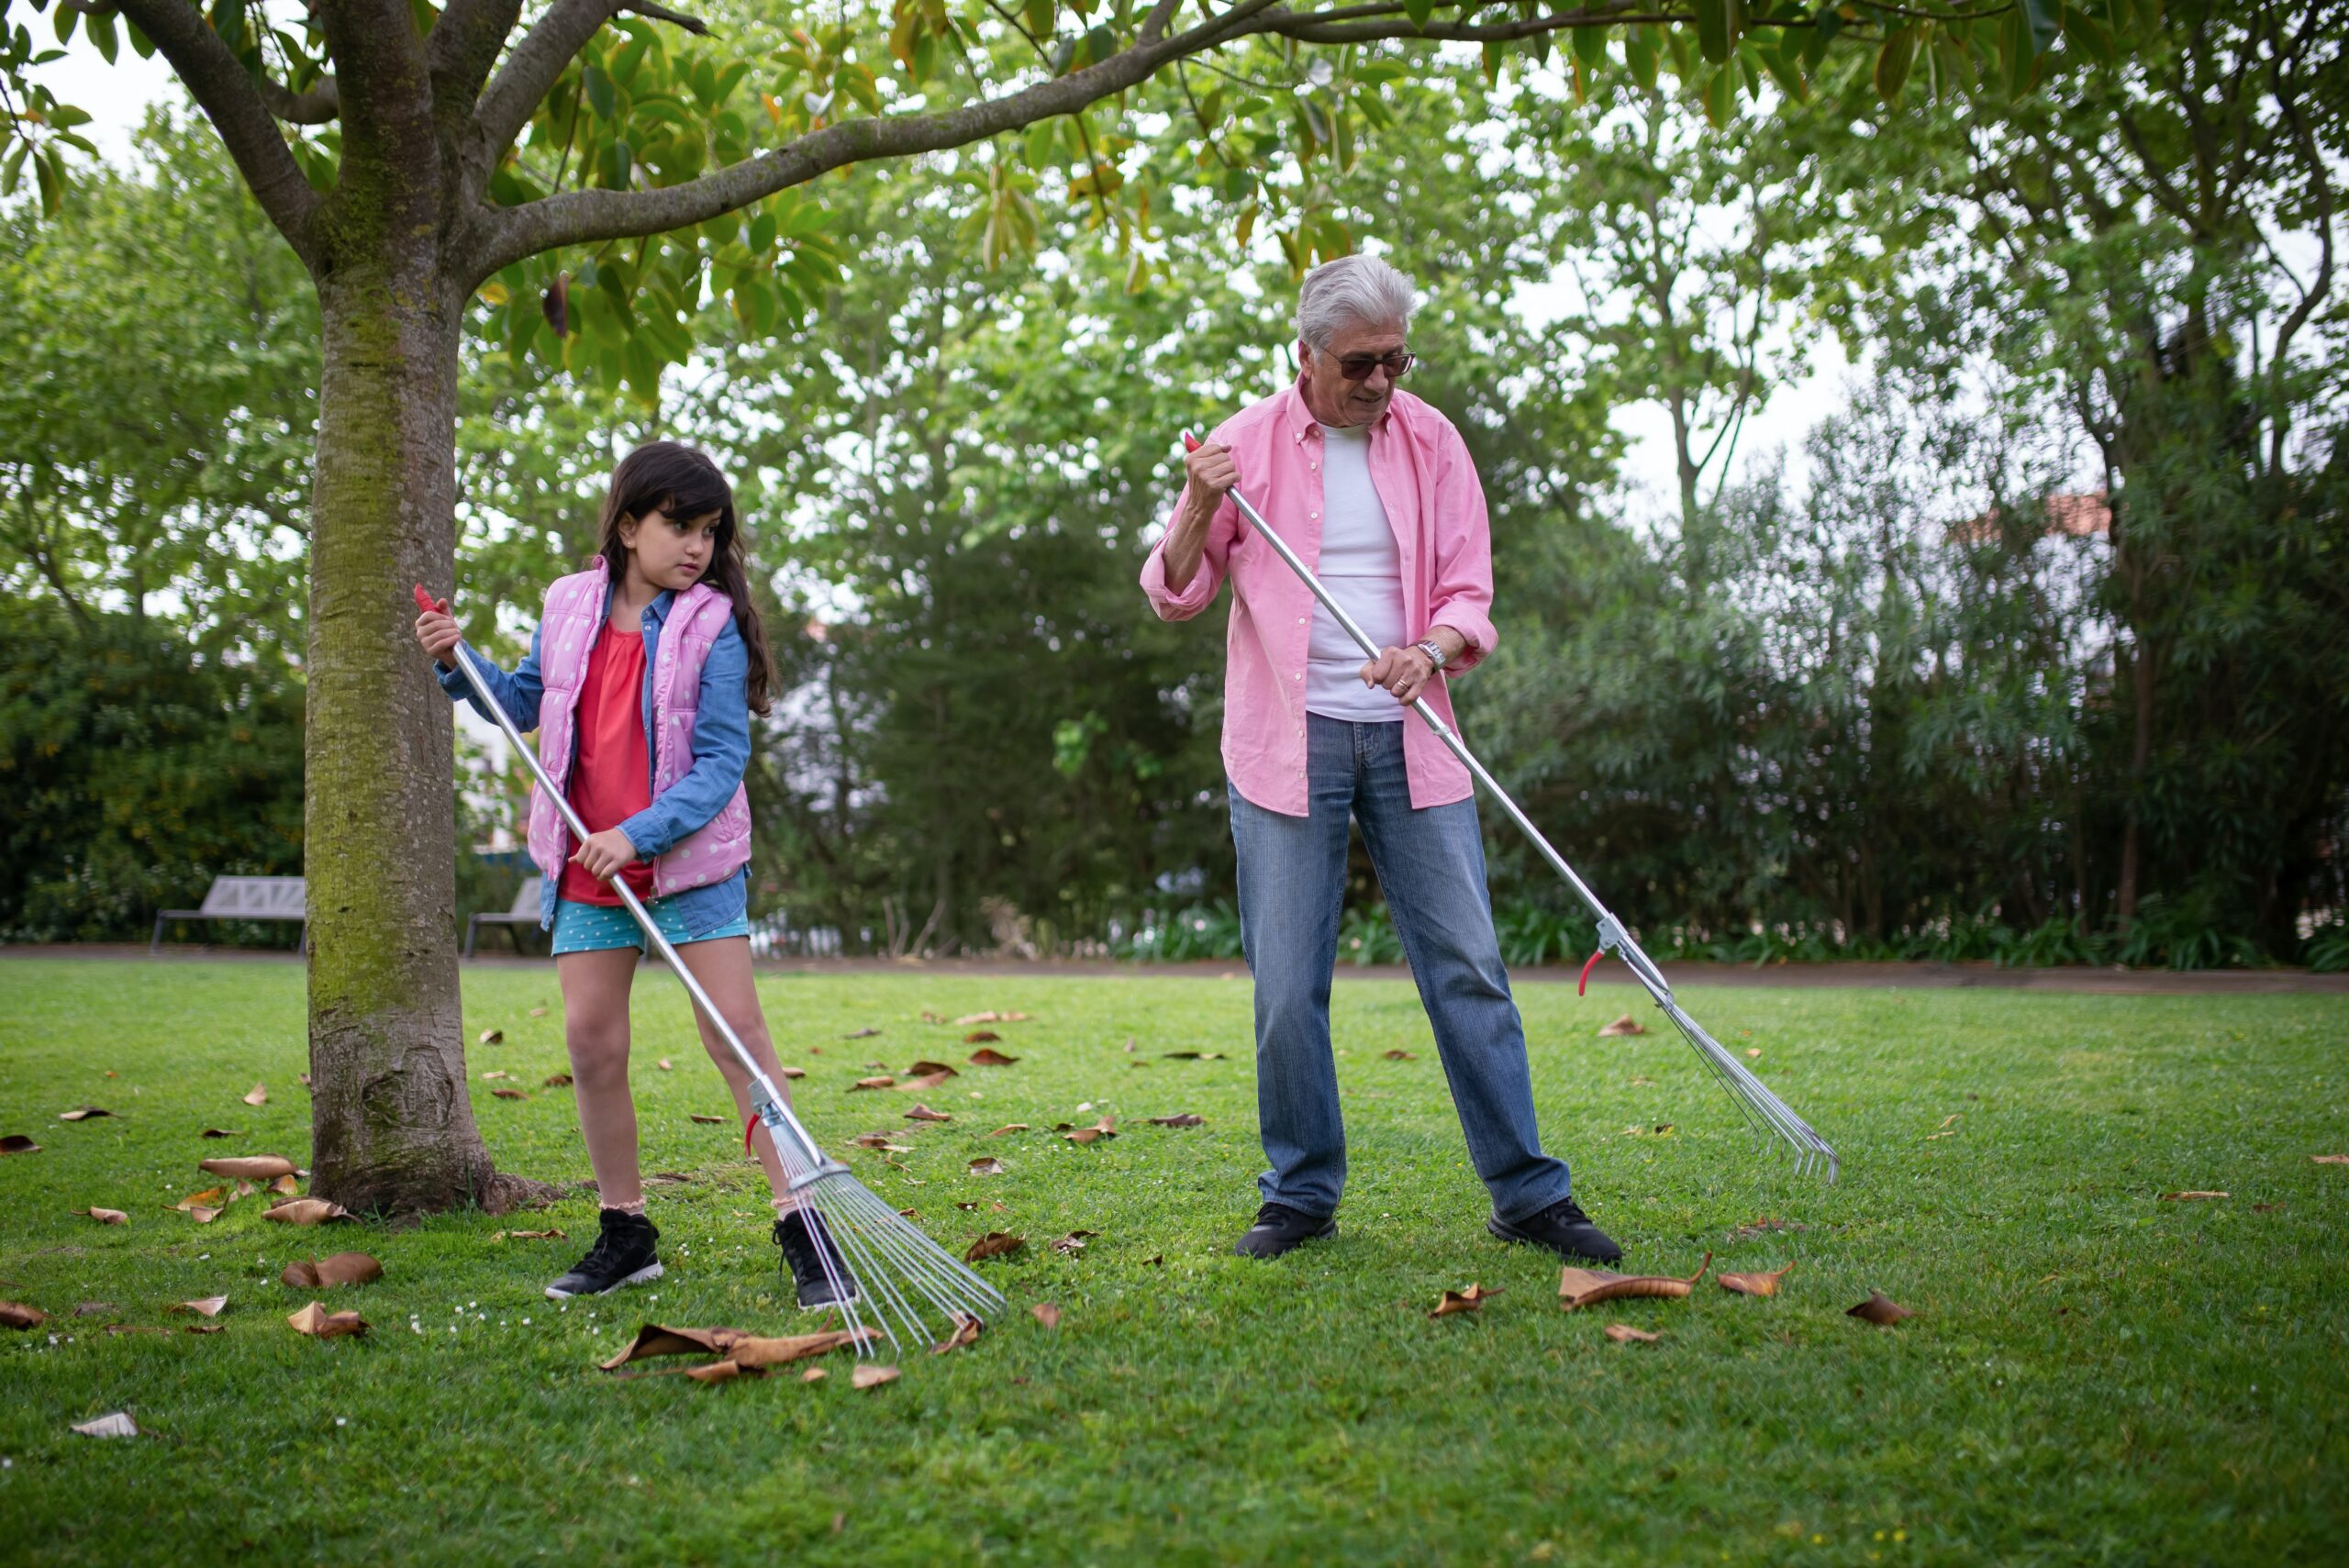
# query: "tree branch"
[[531, 71], [229, 99], [320, 104], [460, 50]]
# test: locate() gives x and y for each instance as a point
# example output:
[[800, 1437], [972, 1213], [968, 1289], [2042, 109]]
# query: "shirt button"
[[1312, 513], [1313, 465]]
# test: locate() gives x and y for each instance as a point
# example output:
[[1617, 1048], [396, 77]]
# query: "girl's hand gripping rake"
[[896, 1268], [1768, 1114]]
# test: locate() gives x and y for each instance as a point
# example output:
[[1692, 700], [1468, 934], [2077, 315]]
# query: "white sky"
[[118, 97]]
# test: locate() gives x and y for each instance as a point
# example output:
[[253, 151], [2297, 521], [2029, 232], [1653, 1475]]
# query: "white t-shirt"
[[1363, 567]]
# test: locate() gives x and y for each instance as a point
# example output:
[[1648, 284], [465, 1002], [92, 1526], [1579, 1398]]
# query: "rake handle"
[[773, 1109]]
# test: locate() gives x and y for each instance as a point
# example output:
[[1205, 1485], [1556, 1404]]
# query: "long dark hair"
[[680, 481]]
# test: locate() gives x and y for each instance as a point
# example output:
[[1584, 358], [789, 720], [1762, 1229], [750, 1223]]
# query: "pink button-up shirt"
[[1420, 468]]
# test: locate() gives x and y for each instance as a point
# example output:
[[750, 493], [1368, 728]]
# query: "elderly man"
[[1374, 490]]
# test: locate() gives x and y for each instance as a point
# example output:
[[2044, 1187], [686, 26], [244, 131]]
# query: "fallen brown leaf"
[[867, 1376], [207, 1307], [718, 1372], [1626, 1025], [1047, 1313], [994, 1244], [1184, 1119], [1624, 1334], [987, 1165], [1088, 1134], [1074, 1242], [538, 1012], [1581, 1287], [1951, 1117], [557, 1081], [981, 1036], [2328, 1159], [862, 1034], [966, 1332], [106, 1216], [813, 1374], [495, 1072], [509, 1094], [1755, 1052], [93, 1308], [116, 1425], [928, 1081], [883, 1081], [491, 1037], [923, 1113], [929, 1018], [1191, 1055], [325, 1273], [1469, 1300], [307, 1211], [992, 1019], [249, 1167], [530, 1236], [285, 1184], [795, 1072], [986, 1058], [732, 1344], [317, 1320], [17, 1314], [203, 1328], [1879, 1310], [2188, 1197], [1753, 1283], [1400, 1055], [1009, 1127], [665, 1065], [668, 1178], [85, 1114], [707, 1120], [1156, 1260], [221, 1132], [203, 1215], [17, 1143], [879, 1140], [258, 1094], [926, 1069]]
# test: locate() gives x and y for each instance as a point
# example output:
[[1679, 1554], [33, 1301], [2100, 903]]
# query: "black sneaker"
[[622, 1255], [1562, 1228], [1278, 1228], [806, 1246]]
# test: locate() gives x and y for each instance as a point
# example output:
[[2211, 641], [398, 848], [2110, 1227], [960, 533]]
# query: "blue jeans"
[[1431, 866]]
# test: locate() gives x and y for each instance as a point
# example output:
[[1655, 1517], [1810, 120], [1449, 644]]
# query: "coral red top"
[[612, 779]]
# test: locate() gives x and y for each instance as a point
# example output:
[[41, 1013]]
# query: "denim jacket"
[[721, 753]]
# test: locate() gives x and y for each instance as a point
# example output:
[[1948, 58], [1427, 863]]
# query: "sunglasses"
[[1395, 363]]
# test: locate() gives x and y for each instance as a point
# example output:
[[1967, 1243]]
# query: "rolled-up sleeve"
[[1462, 596], [1200, 590], [721, 753]]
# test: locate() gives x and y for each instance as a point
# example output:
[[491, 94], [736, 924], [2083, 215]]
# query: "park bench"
[[524, 913], [245, 898]]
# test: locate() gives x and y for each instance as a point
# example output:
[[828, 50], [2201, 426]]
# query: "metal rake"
[[893, 1268], [1768, 1115]]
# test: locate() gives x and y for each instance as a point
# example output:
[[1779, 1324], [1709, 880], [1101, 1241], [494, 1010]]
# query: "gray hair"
[[1352, 291]]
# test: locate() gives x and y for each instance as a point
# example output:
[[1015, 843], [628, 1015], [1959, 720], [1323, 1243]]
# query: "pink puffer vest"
[[567, 630]]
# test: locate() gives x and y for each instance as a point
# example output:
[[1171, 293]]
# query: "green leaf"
[[140, 44], [1419, 11], [1040, 18], [1720, 96], [53, 183], [630, 60], [64, 23], [763, 232], [12, 167], [1717, 28], [100, 31], [1639, 55], [1823, 29], [1590, 45], [1893, 60], [599, 92]]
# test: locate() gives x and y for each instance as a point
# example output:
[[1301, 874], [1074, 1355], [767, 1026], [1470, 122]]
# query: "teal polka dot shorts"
[[593, 927]]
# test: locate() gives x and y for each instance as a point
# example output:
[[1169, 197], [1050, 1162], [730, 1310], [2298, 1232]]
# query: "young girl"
[[640, 681]]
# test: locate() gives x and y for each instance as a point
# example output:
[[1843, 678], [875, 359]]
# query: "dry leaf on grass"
[[207, 1307], [787, 1071], [992, 1019], [707, 1120], [116, 1425], [1400, 1055], [1074, 1242], [923, 1113], [1879, 1310], [491, 1037], [867, 1376], [1581, 1287], [85, 1114], [1750, 1054], [106, 1216], [1047, 1313], [557, 1081], [966, 1332], [530, 1236], [926, 1081], [1624, 1334], [325, 1273], [2328, 1159], [221, 1132], [496, 1074], [203, 1328], [718, 1372], [307, 1211], [538, 1012], [258, 1094], [1084, 1135], [1622, 1025], [286, 1185], [509, 1094], [1184, 1119], [315, 1321], [2189, 1197], [927, 1069], [1156, 1260], [1753, 1283], [1469, 1300], [883, 1081], [667, 1178], [17, 1143], [862, 1034], [17, 1314], [813, 1374], [202, 1199], [1191, 1055], [994, 1244], [986, 1058], [981, 1036], [249, 1167], [987, 1165], [879, 1140], [732, 1344], [665, 1065], [1008, 1128]]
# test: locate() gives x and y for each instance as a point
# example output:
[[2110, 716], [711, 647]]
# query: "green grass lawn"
[[2093, 1374]]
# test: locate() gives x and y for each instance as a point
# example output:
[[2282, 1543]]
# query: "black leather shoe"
[[1562, 1228], [623, 1255], [1278, 1228]]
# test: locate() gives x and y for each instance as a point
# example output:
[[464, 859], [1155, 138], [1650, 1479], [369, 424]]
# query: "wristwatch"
[[1427, 645]]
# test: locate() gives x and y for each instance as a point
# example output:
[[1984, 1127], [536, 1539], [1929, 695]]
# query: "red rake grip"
[[426, 602], [1589, 964], [749, 1127], [1190, 442]]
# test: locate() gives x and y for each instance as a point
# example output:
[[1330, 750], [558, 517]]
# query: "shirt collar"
[[1301, 422], [659, 606]]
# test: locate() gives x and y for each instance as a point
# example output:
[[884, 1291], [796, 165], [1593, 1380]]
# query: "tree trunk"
[[394, 1123]]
